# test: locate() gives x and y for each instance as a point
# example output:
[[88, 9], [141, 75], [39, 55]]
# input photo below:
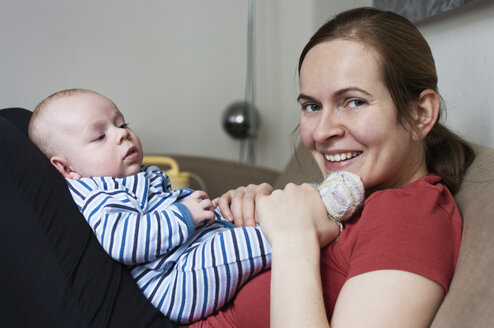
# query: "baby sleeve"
[[134, 220]]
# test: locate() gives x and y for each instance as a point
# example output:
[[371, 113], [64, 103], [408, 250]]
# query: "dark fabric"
[[54, 272], [18, 116]]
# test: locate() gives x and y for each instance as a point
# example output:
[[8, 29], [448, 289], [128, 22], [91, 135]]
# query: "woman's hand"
[[296, 224], [238, 206], [294, 213]]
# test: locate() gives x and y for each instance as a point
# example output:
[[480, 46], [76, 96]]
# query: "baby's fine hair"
[[41, 134]]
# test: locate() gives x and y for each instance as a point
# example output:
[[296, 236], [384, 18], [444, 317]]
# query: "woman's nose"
[[328, 126]]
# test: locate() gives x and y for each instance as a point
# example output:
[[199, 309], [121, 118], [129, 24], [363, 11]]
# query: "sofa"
[[55, 274]]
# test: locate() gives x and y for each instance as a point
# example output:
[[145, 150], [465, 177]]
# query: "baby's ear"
[[425, 114], [64, 168]]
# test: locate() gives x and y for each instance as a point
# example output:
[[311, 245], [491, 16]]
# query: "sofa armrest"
[[217, 176], [471, 296]]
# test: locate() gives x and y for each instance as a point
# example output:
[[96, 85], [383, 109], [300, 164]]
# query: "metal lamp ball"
[[236, 120]]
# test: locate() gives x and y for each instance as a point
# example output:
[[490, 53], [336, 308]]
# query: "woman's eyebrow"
[[305, 97], [336, 94], [350, 89]]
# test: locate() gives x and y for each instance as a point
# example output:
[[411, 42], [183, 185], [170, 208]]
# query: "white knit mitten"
[[342, 194]]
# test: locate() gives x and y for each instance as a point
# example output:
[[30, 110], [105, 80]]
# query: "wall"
[[174, 66], [284, 26], [324, 10], [171, 66], [462, 43]]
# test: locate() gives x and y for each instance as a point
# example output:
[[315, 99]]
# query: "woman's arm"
[[296, 224], [296, 290], [387, 298]]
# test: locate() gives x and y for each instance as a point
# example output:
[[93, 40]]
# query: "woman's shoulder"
[[428, 187], [416, 228], [426, 198]]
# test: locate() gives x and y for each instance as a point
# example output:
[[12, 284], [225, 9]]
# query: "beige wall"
[[171, 66], [174, 66], [462, 43]]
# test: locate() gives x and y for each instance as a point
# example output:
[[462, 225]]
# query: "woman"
[[368, 93]]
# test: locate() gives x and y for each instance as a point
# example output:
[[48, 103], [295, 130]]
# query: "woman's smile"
[[340, 160], [338, 157]]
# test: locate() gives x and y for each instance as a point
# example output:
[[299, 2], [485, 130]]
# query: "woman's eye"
[[310, 107], [356, 103], [124, 126]]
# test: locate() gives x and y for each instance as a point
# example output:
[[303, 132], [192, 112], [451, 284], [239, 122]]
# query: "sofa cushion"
[[216, 176], [471, 297], [301, 168]]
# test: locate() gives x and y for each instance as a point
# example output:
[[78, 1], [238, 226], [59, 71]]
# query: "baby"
[[186, 258]]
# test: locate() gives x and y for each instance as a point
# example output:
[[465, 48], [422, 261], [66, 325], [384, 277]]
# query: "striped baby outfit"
[[186, 272]]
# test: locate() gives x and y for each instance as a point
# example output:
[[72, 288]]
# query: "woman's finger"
[[236, 206], [248, 208], [223, 203]]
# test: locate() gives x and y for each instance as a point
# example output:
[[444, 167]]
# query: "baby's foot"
[[342, 194]]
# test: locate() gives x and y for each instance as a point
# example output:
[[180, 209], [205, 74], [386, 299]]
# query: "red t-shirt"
[[416, 228]]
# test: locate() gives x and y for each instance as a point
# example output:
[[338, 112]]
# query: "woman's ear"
[[64, 168], [425, 113]]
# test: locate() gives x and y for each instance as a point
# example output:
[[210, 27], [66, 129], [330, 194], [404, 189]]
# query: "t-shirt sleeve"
[[416, 231]]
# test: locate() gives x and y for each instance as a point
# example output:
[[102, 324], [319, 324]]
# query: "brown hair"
[[408, 68]]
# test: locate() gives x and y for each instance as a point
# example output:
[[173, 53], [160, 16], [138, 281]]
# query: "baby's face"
[[94, 138]]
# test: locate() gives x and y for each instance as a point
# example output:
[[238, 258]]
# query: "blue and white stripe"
[[186, 273]]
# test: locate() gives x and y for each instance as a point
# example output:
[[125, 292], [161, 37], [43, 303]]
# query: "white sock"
[[342, 194]]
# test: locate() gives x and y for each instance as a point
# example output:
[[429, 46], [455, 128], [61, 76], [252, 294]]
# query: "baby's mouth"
[[130, 152], [341, 156]]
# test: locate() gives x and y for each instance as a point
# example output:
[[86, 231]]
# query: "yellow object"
[[178, 179]]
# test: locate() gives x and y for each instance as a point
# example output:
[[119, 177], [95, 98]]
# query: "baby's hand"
[[201, 208]]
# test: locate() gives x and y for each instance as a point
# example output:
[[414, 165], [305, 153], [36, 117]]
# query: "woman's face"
[[349, 121]]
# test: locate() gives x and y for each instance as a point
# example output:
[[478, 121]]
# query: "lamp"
[[241, 119], [237, 120]]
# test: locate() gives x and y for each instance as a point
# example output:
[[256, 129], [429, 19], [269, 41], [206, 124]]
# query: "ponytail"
[[448, 156]]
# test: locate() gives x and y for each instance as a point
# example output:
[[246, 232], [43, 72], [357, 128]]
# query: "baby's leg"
[[214, 268]]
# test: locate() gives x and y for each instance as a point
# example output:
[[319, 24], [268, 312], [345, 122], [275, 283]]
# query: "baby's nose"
[[122, 135]]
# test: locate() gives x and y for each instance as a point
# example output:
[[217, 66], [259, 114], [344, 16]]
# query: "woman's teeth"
[[342, 156]]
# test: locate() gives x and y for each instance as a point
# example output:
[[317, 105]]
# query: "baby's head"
[[84, 135]]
